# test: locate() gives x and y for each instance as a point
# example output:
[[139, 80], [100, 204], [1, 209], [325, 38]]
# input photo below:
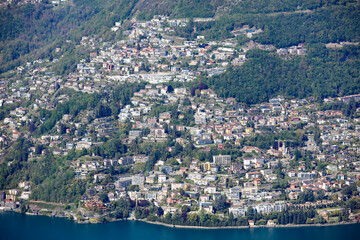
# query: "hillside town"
[[276, 156]]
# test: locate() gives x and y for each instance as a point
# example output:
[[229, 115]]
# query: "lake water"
[[18, 226]]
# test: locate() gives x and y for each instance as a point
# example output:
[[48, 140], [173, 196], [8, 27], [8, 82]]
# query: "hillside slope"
[[35, 31]]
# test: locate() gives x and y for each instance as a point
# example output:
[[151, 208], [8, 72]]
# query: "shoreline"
[[197, 227], [248, 227]]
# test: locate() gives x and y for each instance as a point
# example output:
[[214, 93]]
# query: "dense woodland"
[[32, 31], [321, 25], [266, 75]]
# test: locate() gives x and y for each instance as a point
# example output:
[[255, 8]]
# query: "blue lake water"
[[18, 226]]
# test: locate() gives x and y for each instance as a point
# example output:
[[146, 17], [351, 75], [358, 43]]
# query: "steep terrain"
[[35, 31]]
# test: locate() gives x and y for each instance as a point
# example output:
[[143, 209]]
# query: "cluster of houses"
[[9, 200], [203, 120], [294, 50], [215, 123]]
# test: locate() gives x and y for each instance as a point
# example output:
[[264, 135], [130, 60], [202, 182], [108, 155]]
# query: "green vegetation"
[[323, 25], [50, 206], [53, 178], [178, 9], [266, 75], [33, 31], [72, 107], [184, 217], [191, 219], [104, 147]]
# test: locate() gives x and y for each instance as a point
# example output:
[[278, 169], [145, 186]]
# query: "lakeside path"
[[244, 227]]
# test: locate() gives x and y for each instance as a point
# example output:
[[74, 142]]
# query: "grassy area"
[[330, 208], [333, 220], [46, 205]]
